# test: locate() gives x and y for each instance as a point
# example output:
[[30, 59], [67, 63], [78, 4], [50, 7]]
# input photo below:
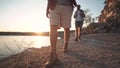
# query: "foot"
[[79, 38], [53, 59], [65, 50], [76, 39]]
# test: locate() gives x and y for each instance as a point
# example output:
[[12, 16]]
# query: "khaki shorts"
[[61, 16]]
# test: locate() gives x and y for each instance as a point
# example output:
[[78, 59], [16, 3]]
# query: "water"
[[10, 45]]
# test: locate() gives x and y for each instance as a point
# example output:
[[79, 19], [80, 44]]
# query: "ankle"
[[65, 45], [76, 39]]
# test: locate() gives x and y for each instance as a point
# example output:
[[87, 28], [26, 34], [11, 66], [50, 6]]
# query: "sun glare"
[[40, 27]]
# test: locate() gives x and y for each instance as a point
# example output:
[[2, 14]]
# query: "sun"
[[41, 28]]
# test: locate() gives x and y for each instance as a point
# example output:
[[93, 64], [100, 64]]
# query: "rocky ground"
[[100, 50]]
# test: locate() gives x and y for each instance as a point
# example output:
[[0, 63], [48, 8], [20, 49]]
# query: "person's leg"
[[80, 30], [79, 33], [66, 38], [66, 13], [76, 34], [53, 40], [54, 23], [76, 30]]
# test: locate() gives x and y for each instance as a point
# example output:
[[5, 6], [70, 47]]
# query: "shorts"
[[78, 24], [61, 16]]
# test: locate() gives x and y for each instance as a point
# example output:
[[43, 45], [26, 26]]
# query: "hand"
[[47, 14]]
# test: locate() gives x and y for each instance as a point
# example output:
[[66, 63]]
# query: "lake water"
[[10, 45]]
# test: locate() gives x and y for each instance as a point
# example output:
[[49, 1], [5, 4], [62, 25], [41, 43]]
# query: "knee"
[[53, 28]]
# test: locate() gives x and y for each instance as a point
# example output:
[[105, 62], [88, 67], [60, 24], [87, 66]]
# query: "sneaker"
[[53, 59]]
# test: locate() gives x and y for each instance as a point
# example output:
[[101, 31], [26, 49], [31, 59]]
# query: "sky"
[[30, 15]]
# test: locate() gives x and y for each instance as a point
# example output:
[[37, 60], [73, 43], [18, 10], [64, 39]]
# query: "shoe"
[[53, 59]]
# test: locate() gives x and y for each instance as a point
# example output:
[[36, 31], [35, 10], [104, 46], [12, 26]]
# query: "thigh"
[[80, 24], [54, 17], [76, 24]]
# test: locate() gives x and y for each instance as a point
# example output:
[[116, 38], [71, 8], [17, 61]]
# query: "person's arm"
[[75, 14], [83, 14], [47, 10], [74, 3]]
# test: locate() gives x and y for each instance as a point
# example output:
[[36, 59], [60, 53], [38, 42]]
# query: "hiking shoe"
[[53, 59]]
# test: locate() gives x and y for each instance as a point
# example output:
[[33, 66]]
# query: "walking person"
[[59, 12], [79, 18]]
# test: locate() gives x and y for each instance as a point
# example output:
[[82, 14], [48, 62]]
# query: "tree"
[[88, 16]]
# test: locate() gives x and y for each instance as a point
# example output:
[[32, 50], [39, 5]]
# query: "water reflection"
[[10, 45]]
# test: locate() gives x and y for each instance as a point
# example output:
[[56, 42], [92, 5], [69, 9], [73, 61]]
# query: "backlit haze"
[[30, 15]]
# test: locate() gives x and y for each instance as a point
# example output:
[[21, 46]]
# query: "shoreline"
[[93, 51], [60, 33]]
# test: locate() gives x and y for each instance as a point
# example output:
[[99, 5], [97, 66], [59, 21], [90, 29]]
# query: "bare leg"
[[53, 40], [76, 34], [66, 38], [80, 32]]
